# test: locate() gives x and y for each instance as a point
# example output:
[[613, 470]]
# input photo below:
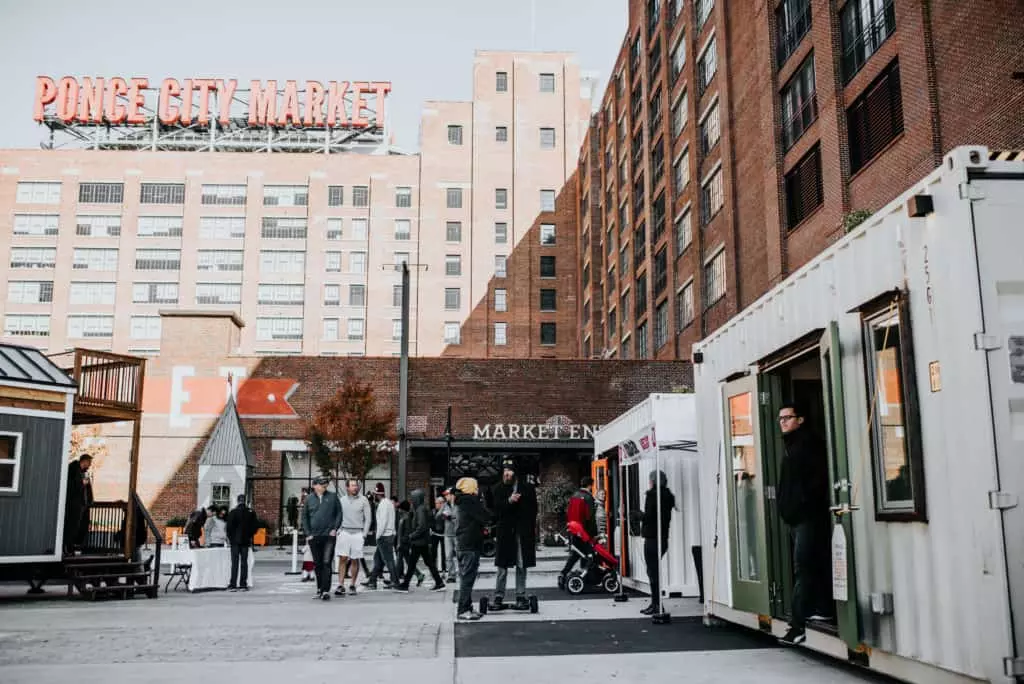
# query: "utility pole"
[[403, 387], [448, 445]]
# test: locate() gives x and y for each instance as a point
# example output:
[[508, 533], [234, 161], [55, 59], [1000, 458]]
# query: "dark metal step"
[[124, 591]]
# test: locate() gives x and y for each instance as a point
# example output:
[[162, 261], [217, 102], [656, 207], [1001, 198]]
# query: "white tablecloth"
[[211, 568]]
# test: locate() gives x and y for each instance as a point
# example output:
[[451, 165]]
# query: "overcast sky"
[[424, 48]]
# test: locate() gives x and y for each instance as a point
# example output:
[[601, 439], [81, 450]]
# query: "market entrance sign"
[[535, 431]]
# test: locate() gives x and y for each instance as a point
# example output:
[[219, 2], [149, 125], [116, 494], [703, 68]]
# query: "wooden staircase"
[[95, 577]]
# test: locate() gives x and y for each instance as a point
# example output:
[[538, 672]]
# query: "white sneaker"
[[471, 615]]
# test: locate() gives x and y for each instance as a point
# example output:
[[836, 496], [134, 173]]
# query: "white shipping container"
[[910, 332]]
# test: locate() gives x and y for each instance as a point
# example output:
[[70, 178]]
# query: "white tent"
[[659, 433]]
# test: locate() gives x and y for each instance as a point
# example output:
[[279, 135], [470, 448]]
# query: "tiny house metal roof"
[[26, 365], [228, 444]]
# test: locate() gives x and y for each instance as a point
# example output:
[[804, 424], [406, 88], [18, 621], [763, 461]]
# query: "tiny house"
[[904, 340]]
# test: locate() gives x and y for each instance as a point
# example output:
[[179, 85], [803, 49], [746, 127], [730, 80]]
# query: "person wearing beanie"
[[515, 503], [650, 531], [470, 518]]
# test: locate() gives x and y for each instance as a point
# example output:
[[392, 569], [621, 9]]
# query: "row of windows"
[[454, 199], [547, 136], [546, 82]]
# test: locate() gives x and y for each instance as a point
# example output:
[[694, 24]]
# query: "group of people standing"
[[215, 527]]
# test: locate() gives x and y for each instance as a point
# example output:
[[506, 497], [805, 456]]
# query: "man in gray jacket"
[[355, 525], [321, 518]]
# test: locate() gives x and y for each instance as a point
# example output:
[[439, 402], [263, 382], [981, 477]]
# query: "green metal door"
[[745, 496], [844, 584]]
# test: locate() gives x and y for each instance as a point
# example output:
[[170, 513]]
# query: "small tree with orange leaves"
[[349, 433]]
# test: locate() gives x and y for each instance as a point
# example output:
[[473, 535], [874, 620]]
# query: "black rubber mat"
[[492, 637], [550, 594]]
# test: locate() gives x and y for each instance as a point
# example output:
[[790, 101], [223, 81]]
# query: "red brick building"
[[737, 140]]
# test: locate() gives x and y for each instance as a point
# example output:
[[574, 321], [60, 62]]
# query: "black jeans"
[[384, 557], [427, 555], [322, 549], [653, 568], [811, 570], [239, 566], [469, 565]]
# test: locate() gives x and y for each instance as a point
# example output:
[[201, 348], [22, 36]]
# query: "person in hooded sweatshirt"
[[803, 499], [419, 542], [470, 518], [649, 530]]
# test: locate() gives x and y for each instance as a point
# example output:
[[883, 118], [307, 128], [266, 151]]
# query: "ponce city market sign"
[[125, 101]]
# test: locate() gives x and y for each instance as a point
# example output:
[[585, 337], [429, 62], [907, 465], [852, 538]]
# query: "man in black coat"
[[241, 526], [76, 503], [419, 542], [803, 499], [654, 529], [470, 519], [515, 503]]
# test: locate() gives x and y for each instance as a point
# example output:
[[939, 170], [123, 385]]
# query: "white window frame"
[[500, 300], [40, 325], [449, 337], [145, 328], [403, 229], [38, 192], [19, 438], [547, 194], [500, 334], [221, 227]]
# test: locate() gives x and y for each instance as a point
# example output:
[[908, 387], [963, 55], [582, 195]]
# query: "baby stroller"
[[598, 567]]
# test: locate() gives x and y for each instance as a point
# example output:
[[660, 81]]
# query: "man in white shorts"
[[355, 525]]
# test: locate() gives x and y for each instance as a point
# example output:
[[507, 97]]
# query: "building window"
[[803, 188], [160, 226], [501, 233], [222, 260], [712, 198], [285, 196], [501, 134], [282, 261], [660, 271], [612, 328], [547, 138], [101, 193], [624, 306], [396, 296], [799, 103], [39, 292], [403, 229], [501, 198], [707, 65], [703, 8], [547, 83], [548, 334], [37, 225], [500, 334], [83, 293], [683, 230], [863, 27], [893, 409], [681, 172], [91, 325], [278, 329], [357, 262], [330, 329], [875, 118], [547, 267], [334, 229], [453, 231], [586, 274], [792, 22], [221, 227], [94, 226], [661, 325], [684, 306], [361, 196], [222, 195], [332, 262], [654, 61], [640, 341], [30, 192], [452, 333], [657, 162], [280, 294], [167, 293], [332, 295], [640, 296], [548, 299], [335, 195], [453, 198], [396, 330], [453, 265], [452, 298], [501, 82], [145, 327], [710, 130], [357, 295], [547, 200], [360, 228], [547, 234], [714, 279], [679, 57], [639, 246], [454, 135], [162, 193], [500, 266], [500, 300], [275, 228], [356, 328], [403, 198], [106, 259], [680, 112], [27, 325]]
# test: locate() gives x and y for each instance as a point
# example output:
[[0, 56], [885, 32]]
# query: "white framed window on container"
[[547, 138], [403, 229], [356, 328], [160, 226], [278, 329], [453, 231], [452, 298], [453, 198], [500, 300], [284, 294], [217, 293], [220, 260], [399, 259], [501, 198], [501, 233], [396, 329], [272, 261], [10, 461], [27, 325], [714, 278], [547, 233], [360, 195], [331, 329], [454, 134], [501, 266], [98, 226], [31, 292], [360, 229], [223, 195], [452, 333], [285, 196], [332, 262], [403, 197], [683, 230], [94, 259], [357, 295], [357, 262], [684, 305], [452, 265], [333, 231], [221, 227], [332, 295], [37, 224], [145, 327], [547, 200], [500, 334], [92, 293], [38, 192], [90, 325]]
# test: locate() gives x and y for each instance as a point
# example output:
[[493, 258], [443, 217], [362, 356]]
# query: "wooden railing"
[[106, 520], [154, 531], [105, 380]]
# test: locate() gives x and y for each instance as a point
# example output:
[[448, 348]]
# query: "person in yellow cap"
[[470, 518]]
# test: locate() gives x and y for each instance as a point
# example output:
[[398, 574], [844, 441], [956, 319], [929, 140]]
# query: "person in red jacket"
[[581, 510]]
